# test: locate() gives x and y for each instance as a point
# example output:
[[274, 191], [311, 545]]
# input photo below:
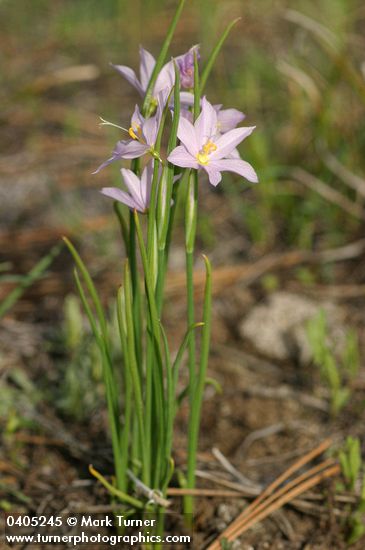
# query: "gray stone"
[[277, 328]]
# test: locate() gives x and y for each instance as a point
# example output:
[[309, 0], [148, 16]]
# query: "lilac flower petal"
[[130, 149], [227, 142], [180, 157], [129, 75], [147, 65], [166, 79], [125, 150], [187, 135], [238, 166], [150, 130], [133, 184], [120, 196], [234, 154], [162, 98], [105, 163], [185, 63], [137, 119], [146, 182], [229, 119], [206, 123], [214, 174]]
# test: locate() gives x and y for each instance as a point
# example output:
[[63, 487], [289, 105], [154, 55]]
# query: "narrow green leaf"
[[132, 362], [90, 286], [191, 211], [154, 360], [110, 387], [27, 280], [182, 348], [213, 56], [150, 288], [196, 403], [128, 388], [88, 310], [214, 383]]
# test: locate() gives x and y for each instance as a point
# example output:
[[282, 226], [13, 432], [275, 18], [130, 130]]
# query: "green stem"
[[128, 389], [191, 320], [191, 214], [194, 421], [132, 365], [161, 269], [190, 229], [136, 292], [155, 352], [162, 56]]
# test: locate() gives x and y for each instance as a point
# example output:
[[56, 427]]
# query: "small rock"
[[278, 330]]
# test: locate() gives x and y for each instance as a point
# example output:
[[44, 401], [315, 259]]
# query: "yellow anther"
[[132, 133], [203, 155], [202, 158], [209, 147]]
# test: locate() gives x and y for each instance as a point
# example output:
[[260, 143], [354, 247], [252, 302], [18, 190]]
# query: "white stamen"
[[107, 123]]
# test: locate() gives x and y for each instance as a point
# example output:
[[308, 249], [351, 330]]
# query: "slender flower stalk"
[[199, 385], [191, 216], [143, 392]]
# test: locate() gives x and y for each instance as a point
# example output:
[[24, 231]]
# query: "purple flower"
[[143, 133], [186, 66], [166, 77], [139, 189], [203, 147]]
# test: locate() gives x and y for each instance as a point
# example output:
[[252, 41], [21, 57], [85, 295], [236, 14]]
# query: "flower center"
[[203, 155]]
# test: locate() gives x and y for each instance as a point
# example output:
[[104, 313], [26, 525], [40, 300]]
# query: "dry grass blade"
[[207, 493], [303, 80], [269, 500], [258, 506], [320, 31], [330, 44], [291, 470], [341, 171], [243, 526], [331, 195]]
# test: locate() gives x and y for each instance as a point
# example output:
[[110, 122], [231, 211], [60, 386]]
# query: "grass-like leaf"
[[213, 56]]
